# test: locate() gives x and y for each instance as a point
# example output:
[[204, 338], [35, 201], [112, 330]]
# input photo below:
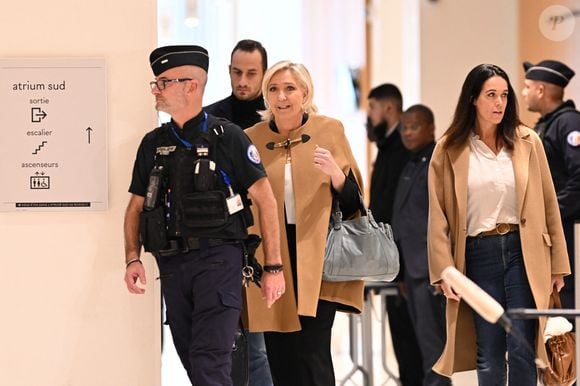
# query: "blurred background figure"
[[410, 214], [384, 113]]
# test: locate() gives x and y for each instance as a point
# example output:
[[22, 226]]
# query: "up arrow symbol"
[[89, 133]]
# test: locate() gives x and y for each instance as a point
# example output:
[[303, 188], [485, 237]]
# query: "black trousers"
[[304, 357], [404, 340], [427, 311], [203, 296]]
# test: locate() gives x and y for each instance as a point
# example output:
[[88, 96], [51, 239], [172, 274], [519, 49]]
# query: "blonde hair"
[[302, 77]]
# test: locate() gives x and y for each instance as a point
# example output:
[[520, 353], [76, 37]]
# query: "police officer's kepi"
[[164, 58], [550, 71]]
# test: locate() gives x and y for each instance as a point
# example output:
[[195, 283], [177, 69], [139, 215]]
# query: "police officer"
[[559, 128], [189, 207]]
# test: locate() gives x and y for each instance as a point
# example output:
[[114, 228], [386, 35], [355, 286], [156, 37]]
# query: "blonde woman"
[[308, 159]]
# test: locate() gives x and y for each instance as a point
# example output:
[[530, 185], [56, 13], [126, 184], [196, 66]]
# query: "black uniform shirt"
[[236, 155], [562, 144]]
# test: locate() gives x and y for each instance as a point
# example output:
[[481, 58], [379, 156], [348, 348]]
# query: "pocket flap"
[[230, 300]]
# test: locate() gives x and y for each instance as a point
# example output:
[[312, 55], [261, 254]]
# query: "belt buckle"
[[502, 228]]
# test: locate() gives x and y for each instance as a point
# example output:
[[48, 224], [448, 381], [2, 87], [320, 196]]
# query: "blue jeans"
[[259, 367], [495, 263]]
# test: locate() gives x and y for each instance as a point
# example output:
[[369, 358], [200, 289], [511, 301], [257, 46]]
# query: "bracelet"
[[127, 264], [274, 268]]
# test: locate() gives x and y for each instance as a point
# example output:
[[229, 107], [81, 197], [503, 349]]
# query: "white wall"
[[428, 47], [386, 17], [67, 318], [536, 46], [457, 36]]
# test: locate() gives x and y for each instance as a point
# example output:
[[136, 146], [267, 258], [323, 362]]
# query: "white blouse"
[[289, 203], [491, 188]]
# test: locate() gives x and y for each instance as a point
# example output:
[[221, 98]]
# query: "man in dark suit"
[[410, 213], [385, 108], [249, 62]]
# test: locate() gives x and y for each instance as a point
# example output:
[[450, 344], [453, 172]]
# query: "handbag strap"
[[337, 213], [361, 204]]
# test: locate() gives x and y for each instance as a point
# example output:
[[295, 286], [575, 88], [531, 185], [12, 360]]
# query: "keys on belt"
[[500, 229]]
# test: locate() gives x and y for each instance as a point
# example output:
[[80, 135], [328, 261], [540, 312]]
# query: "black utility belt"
[[188, 244]]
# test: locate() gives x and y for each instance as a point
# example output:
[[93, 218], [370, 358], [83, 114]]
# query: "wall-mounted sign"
[[53, 134]]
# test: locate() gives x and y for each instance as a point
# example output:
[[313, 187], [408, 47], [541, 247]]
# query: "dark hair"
[[464, 118], [387, 91], [424, 111], [249, 45]]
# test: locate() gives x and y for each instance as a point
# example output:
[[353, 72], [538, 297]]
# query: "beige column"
[[67, 318]]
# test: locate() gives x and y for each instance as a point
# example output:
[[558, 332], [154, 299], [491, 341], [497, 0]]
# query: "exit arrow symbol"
[[89, 133]]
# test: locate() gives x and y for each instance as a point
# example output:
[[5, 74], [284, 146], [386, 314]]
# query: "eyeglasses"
[[161, 84]]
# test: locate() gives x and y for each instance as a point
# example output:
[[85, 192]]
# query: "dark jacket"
[[391, 159], [242, 113], [560, 132], [411, 211]]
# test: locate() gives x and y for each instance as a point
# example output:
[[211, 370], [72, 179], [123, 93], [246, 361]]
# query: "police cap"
[[550, 71], [164, 58]]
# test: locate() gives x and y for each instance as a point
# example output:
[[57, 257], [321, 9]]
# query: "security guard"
[[559, 128], [189, 207]]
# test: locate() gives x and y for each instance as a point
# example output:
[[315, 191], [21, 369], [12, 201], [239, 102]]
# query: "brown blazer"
[[543, 244], [313, 203]]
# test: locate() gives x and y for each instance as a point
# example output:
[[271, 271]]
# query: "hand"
[[448, 291], [324, 161], [135, 271], [558, 280], [273, 287]]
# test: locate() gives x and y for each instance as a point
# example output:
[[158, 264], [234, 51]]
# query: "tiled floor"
[[174, 375], [344, 365]]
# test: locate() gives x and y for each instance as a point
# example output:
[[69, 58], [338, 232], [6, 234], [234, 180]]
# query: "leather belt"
[[185, 245], [500, 229]]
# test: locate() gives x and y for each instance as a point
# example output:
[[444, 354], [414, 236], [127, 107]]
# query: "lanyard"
[[188, 145]]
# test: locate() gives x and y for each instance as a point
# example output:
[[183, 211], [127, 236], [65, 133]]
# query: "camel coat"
[[542, 238], [313, 201]]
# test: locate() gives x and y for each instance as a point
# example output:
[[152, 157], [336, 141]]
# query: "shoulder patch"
[[574, 138], [253, 154]]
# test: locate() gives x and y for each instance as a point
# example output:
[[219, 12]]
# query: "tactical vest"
[[191, 199]]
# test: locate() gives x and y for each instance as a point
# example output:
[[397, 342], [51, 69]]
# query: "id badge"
[[235, 203]]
